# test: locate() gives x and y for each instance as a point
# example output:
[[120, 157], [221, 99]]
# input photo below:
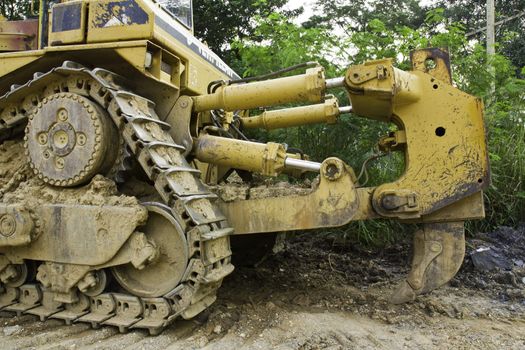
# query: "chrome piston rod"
[[335, 83], [305, 165]]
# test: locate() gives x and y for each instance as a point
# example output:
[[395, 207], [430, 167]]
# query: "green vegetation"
[[15, 9]]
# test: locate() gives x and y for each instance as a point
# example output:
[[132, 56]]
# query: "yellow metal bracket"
[[442, 131], [333, 203]]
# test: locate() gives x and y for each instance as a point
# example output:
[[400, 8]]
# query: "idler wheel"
[[69, 139], [167, 270]]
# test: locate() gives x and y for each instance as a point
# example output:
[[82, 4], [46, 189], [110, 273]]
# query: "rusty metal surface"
[[434, 61]]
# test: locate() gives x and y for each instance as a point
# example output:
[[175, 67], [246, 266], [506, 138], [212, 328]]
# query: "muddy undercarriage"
[[90, 253]]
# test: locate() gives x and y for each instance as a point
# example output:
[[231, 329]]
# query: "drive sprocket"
[[69, 139]]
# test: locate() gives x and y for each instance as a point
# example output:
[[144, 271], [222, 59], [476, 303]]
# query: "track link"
[[179, 185]]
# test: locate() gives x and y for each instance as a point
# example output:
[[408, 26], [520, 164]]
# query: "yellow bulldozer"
[[118, 129]]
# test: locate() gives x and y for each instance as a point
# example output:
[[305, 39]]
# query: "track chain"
[[179, 185]]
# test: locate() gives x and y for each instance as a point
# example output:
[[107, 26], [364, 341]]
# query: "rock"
[[489, 259], [302, 300], [12, 330], [217, 329], [270, 305], [506, 278]]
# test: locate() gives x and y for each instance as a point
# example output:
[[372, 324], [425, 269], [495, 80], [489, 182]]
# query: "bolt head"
[[435, 247], [7, 225], [81, 139], [62, 115], [42, 138], [60, 163]]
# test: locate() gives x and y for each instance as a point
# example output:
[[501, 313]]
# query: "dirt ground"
[[319, 293]]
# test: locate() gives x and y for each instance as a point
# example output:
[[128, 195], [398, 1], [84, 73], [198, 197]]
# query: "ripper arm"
[[440, 130]]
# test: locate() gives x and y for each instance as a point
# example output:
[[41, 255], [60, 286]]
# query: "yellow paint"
[[442, 134], [75, 36], [97, 34], [326, 112], [441, 129], [331, 204], [446, 155], [267, 159], [300, 88]]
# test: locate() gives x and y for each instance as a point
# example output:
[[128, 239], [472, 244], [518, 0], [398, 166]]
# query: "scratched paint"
[[120, 13]]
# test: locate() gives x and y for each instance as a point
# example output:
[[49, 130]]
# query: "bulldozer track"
[[176, 181]]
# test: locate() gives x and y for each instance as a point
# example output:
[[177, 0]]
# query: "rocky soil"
[[321, 293]]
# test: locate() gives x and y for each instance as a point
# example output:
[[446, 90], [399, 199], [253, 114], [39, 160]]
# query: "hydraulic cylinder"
[[309, 87], [268, 159], [327, 112]]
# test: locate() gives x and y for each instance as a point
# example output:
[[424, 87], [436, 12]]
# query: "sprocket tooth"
[[439, 250]]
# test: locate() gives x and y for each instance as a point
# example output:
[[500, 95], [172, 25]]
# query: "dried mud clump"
[[14, 168], [19, 185], [234, 191]]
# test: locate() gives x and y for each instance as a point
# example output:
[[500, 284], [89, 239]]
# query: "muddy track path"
[[321, 294]]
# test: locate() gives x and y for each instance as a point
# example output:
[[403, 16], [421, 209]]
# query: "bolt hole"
[[430, 64], [356, 75], [332, 170], [480, 181], [436, 86], [441, 131]]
